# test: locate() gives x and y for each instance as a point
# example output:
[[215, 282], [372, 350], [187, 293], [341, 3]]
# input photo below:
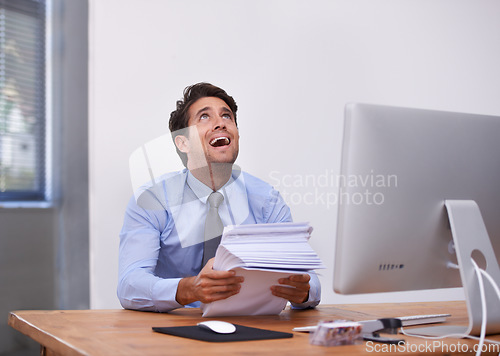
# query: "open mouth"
[[220, 141]]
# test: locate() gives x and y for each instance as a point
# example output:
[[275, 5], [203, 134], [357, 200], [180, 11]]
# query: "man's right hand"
[[208, 286]]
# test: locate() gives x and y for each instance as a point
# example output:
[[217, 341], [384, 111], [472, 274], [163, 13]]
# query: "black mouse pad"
[[242, 333]]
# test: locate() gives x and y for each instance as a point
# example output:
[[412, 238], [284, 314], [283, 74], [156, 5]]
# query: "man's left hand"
[[299, 294]]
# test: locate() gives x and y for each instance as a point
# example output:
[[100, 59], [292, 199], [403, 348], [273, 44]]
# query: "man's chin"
[[222, 159], [220, 165], [213, 166]]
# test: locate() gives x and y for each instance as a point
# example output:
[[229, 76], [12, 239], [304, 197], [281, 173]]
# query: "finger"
[[300, 278], [285, 292], [219, 292], [223, 277], [295, 278], [209, 282], [291, 294], [209, 298], [208, 270], [296, 281], [226, 288], [209, 265]]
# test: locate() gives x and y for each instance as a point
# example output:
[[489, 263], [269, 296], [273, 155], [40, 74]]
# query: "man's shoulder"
[[265, 201], [159, 181], [254, 183], [162, 190], [260, 191], [170, 184], [175, 175]]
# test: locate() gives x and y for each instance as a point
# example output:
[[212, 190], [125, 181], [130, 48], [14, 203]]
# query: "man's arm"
[[138, 287]]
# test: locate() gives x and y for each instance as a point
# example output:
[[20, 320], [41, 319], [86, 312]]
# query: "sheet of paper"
[[263, 229], [254, 298]]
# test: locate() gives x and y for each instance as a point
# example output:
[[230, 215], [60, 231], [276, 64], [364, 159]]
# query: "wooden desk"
[[125, 332]]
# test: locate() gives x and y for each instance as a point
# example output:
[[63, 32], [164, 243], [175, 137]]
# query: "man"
[[162, 241]]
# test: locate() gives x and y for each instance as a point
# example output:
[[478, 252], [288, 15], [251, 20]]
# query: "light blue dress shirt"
[[161, 241]]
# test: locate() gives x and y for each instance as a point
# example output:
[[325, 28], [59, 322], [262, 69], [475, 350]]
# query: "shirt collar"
[[202, 191]]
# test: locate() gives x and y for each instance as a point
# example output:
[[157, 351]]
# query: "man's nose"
[[219, 123]]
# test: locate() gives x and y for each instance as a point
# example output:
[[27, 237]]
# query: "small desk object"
[[126, 332]]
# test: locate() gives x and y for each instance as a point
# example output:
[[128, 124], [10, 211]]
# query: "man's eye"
[[227, 116], [204, 117]]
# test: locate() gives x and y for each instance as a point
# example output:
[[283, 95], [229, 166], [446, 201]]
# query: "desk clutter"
[[336, 333], [326, 333]]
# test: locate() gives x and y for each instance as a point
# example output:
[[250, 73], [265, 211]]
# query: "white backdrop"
[[291, 66]]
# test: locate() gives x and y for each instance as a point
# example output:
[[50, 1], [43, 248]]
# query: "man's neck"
[[214, 175]]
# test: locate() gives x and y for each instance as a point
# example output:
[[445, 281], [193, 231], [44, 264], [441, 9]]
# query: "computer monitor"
[[405, 174]]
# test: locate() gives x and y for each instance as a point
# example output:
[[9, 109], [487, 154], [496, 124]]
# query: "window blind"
[[22, 100]]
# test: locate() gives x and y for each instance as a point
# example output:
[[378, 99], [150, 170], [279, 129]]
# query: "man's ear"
[[182, 143]]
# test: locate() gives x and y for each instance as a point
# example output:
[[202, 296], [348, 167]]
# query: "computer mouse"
[[217, 326]]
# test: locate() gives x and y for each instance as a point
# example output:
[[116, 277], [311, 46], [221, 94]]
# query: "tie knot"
[[215, 199]]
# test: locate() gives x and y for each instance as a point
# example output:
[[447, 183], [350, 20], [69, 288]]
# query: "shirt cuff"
[[164, 293]]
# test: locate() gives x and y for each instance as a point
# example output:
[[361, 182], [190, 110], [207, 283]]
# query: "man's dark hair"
[[179, 117]]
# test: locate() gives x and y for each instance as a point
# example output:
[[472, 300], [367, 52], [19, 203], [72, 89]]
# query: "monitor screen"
[[399, 166]]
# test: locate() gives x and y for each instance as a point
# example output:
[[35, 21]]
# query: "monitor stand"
[[471, 240]]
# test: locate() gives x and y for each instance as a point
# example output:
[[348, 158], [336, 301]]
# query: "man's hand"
[[208, 286], [299, 294]]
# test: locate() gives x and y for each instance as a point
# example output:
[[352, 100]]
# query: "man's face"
[[218, 139]]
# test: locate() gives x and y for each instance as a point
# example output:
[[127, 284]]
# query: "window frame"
[[41, 194]]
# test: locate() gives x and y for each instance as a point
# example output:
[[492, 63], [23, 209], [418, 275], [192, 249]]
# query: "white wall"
[[291, 65]]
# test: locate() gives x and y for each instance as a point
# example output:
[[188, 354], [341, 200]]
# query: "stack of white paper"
[[262, 254]]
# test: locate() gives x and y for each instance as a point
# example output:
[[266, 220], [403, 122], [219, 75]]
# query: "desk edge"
[[44, 338]]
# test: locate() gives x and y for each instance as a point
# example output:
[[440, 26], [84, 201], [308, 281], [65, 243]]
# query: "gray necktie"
[[213, 227]]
